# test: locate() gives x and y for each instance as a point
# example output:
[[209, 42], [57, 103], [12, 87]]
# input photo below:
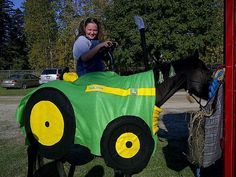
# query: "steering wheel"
[[107, 53]]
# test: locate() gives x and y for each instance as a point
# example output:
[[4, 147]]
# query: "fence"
[[121, 70], [6, 73]]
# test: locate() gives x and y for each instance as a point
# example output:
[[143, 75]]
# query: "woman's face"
[[91, 30]]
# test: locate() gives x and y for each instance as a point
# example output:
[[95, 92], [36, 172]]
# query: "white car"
[[50, 74]]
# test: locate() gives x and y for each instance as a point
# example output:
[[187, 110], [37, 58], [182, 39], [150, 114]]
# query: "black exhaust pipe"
[[141, 27]]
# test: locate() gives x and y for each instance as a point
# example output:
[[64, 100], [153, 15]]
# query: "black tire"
[[46, 110], [130, 130]]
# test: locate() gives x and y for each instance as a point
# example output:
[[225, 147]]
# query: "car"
[[50, 74], [20, 81]]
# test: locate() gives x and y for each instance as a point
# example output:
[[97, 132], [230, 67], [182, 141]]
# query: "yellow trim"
[[155, 118], [121, 145], [47, 123], [121, 92], [70, 76]]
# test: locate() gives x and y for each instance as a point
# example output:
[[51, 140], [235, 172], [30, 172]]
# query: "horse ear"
[[171, 71], [161, 77]]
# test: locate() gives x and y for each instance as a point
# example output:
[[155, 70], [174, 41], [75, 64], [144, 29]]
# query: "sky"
[[17, 3]]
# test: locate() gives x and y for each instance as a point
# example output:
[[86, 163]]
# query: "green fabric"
[[94, 110]]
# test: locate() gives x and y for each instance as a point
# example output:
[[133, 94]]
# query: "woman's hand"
[[105, 44]]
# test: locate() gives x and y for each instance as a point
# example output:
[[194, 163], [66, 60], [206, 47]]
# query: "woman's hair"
[[84, 23], [80, 30]]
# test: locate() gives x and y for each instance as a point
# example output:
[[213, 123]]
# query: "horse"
[[190, 74]]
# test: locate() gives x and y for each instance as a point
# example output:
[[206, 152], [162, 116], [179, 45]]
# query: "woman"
[[86, 48]]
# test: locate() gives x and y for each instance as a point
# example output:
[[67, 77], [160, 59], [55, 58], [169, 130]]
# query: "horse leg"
[[32, 155]]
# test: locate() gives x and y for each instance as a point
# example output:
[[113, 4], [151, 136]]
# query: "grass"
[[167, 161], [13, 162], [157, 167], [15, 92]]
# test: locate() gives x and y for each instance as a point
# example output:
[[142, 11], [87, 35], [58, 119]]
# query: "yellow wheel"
[[127, 144], [50, 122], [47, 123]]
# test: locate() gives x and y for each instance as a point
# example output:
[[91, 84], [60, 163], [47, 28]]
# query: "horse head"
[[198, 78], [190, 74]]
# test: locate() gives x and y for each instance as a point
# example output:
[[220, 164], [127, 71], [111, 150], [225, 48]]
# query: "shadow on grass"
[[48, 170], [215, 170], [51, 170], [96, 171], [174, 130]]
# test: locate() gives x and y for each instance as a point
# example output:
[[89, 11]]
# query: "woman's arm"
[[92, 52]]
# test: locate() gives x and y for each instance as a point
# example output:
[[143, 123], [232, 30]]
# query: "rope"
[[196, 136]]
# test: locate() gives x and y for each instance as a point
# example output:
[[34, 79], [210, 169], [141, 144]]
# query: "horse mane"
[[188, 63], [182, 65]]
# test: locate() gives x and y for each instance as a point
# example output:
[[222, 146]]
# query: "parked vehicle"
[[20, 81], [50, 74]]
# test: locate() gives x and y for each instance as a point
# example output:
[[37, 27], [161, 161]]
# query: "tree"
[[6, 11], [41, 32], [67, 22], [174, 28], [17, 47], [12, 41]]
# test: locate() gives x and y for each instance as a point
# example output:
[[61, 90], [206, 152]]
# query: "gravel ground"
[[8, 125]]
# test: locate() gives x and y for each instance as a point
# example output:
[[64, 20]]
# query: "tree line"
[[13, 49], [43, 34]]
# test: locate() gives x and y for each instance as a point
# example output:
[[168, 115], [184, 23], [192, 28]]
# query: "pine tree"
[[6, 11], [17, 47]]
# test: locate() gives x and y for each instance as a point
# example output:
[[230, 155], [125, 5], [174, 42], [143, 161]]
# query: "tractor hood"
[[100, 97]]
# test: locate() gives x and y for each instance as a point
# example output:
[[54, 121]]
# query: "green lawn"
[[14, 92], [168, 161], [13, 162]]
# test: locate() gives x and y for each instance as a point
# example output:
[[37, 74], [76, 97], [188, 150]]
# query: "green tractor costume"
[[113, 116]]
